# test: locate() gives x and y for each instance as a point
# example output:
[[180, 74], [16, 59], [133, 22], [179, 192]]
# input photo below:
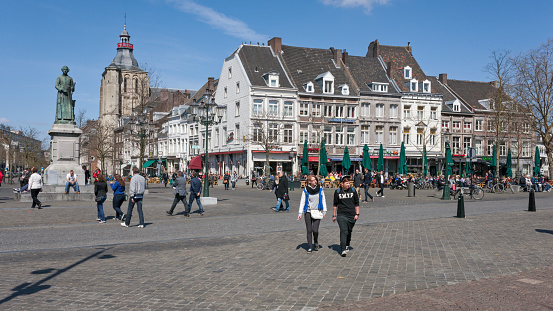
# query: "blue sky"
[[187, 41]]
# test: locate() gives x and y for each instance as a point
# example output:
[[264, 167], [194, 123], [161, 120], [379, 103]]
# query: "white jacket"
[[35, 181]]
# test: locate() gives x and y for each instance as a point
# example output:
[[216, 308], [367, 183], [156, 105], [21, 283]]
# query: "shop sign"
[[341, 120], [230, 137], [457, 155], [487, 159], [195, 147], [313, 149], [386, 152]]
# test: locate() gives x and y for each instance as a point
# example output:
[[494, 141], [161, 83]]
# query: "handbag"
[[316, 214], [98, 199], [125, 197], [286, 197], [225, 181]]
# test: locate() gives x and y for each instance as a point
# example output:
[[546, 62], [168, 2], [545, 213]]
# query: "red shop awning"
[[195, 163]]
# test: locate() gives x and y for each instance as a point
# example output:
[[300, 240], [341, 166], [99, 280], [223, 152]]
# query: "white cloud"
[[367, 4], [4, 120], [217, 20]]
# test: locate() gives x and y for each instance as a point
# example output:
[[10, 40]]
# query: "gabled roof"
[[306, 64], [200, 93], [438, 87], [366, 70], [400, 57], [260, 60], [472, 91]]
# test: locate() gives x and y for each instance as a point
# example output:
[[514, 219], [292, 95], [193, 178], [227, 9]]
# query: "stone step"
[[61, 196]]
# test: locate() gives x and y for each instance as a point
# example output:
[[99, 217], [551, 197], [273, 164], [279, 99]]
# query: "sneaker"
[[124, 225], [344, 253], [169, 213], [140, 226], [316, 247], [347, 249], [102, 222], [187, 215], [39, 206], [309, 251], [383, 196], [123, 217], [98, 219]]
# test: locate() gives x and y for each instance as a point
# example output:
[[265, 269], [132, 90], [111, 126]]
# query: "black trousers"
[[381, 191], [367, 194], [312, 226], [34, 195], [178, 198], [346, 224]]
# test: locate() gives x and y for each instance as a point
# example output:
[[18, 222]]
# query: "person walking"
[[345, 210], [380, 180], [195, 192], [86, 175], [233, 180], [367, 180], [313, 207], [254, 179], [35, 184], [136, 194], [358, 181], [118, 188], [180, 193], [1, 178], [281, 192], [165, 177], [100, 192], [226, 180]]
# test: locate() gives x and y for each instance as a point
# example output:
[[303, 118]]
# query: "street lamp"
[[141, 128], [445, 194], [203, 114]]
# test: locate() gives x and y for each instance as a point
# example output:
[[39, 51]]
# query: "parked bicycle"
[[265, 184], [474, 192]]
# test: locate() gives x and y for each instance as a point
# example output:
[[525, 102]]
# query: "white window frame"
[[365, 109], [238, 87], [413, 85], [272, 109], [379, 134], [316, 109], [237, 109], [288, 109], [426, 86], [478, 125], [257, 109], [393, 135], [407, 72], [393, 111], [304, 109], [379, 110]]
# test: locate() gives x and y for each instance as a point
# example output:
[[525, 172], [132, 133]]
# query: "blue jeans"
[[138, 203], [193, 197], [100, 207], [279, 201], [74, 186]]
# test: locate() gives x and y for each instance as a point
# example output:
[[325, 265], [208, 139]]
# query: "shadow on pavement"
[[335, 247], [28, 288], [544, 231]]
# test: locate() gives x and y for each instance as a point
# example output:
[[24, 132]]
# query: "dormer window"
[[426, 86], [344, 89], [414, 85], [407, 72], [378, 87], [456, 106], [326, 82], [309, 87], [272, 79]]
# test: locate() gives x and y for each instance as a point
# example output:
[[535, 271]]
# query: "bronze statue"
[[65, 108]]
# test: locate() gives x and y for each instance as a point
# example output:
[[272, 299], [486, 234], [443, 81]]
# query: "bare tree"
[[533, 88], [80, 117], [265, 134], [31, 147], [499, 69], [101, 142]]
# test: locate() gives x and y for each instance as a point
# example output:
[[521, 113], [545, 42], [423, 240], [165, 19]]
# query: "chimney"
[[495, 84], [408, 47], [276, 44], [211, 84], [374, 49], [345, 58], [443, 78], [337, 53], [390, 70]]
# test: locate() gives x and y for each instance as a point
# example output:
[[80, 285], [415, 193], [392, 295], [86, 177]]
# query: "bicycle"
[[264, 185], [474, 192]]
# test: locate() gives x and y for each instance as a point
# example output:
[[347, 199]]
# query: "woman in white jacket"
[[35, 184], [313, 207]]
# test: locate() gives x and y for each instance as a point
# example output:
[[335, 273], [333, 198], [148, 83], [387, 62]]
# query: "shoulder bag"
[[316, 214]]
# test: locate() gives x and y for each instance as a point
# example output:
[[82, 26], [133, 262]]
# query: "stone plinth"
[[64, 155], [208, 200]]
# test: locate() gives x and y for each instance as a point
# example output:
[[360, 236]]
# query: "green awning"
[[149, 162]]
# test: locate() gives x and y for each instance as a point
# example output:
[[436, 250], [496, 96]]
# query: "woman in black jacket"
[[100, 191]]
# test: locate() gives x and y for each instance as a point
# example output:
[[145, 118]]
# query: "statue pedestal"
[[64, 155]]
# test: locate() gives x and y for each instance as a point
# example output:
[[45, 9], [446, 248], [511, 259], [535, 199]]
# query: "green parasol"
[[366, 158], [402, 169], [380, 163], [322, 159], [449, 160], [509, 172], [494, 162], [467, 167], [425, 162], [305, 160], [537, 163], [346, 161]]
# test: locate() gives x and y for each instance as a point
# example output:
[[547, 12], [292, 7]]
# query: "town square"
[[292, 155]]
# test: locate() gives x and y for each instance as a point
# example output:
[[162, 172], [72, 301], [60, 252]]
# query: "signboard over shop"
[[341, 120]]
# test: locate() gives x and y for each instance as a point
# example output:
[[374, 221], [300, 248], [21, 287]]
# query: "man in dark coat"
[[281, 191], [195, 192], [367, 180], [180, 193]]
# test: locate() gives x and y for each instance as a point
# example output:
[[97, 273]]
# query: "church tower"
[[124, 85]]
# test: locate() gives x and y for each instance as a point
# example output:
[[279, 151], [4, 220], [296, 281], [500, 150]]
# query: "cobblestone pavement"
[[242, 256]]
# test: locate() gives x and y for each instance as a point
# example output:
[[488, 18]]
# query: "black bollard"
[[461, 207], [532, 202]]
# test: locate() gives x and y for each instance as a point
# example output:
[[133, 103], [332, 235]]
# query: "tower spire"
[[125, 26]]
